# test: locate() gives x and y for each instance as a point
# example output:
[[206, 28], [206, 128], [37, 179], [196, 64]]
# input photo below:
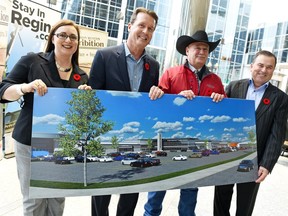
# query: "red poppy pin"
[[266, 101], [76, 77], [147, 66]]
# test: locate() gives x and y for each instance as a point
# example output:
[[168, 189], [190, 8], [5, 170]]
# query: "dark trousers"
[[246, 197], [126, 205]]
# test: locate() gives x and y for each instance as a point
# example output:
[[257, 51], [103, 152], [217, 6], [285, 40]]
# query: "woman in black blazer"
[[35, 72]]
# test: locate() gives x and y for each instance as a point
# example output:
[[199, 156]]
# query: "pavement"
[[272, 196]]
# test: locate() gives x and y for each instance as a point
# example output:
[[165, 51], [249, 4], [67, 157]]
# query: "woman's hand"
[[36, 85]]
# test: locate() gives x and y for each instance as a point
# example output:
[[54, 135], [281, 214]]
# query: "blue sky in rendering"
[[136, 116]]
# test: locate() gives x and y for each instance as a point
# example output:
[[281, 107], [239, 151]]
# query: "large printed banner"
[[28, 28], [109, 142]]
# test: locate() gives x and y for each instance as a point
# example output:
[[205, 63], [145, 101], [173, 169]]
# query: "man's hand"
[[84, 87], [155, 93], [189, 94], [262, 173], [217, 97]]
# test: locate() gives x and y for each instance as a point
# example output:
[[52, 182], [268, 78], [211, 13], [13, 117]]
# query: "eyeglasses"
[[64, 36]]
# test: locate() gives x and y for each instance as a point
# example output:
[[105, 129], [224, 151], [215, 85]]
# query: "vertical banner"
[[90, 41], [28, 31], [5, 8]]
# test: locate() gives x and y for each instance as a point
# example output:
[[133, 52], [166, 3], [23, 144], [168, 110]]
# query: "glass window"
[[113, 29], [87, 21], [101, 11], [103, 1], [130, 4], [223, 3], [116, 3], [113, 14], [100, 24]]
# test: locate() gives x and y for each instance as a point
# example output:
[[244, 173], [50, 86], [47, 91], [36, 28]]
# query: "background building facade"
[[222, 19]]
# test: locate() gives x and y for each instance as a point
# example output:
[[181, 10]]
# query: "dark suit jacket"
[[271, 120], [28, 68], [109, 71]]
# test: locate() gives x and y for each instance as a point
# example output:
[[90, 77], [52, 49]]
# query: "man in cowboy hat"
[[189, 80]]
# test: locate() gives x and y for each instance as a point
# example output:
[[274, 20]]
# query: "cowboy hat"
[[199, 36]]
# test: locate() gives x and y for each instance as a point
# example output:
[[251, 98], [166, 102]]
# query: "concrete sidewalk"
[[272, 197]]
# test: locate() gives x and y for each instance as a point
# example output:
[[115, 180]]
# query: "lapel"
[[145, 74], [269, 94], [243, 88], [121, 63], [50, 70]]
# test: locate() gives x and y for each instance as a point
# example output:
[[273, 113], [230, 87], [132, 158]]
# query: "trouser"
[[246, 197], [126, 205], [34, 207], [186, 205]]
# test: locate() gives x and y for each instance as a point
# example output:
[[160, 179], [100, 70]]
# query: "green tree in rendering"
[[150, 144], [114, 142], [83, 125], [252, 139]]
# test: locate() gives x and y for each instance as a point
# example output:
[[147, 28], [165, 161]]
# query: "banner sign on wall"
[[143, 145], [28, 30], [90, 41]]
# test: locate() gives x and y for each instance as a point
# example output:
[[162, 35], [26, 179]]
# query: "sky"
[[267, 11], [136, 116]]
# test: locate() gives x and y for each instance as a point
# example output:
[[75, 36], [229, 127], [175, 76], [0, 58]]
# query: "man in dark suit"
[[127, 67], [271, 105]]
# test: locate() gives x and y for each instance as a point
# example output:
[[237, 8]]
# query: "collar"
[[264, 86], [191, 67], [128, 53]]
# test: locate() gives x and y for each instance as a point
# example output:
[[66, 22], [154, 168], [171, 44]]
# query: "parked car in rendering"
[[119, 157], [225, 150], [245, 166], [80, 159], [133, 155], [214, 152], [195, 155], [141, 163], [128, 161], [105, 159], [151, 155], [62, 160], [93, 158], [161, 153], [154, 161], [113, 154], [49, 158], [179, 158], [205, 152]]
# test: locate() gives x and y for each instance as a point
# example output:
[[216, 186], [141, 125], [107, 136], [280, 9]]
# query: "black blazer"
[[271, 118], [28, 68], [109, 71]]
